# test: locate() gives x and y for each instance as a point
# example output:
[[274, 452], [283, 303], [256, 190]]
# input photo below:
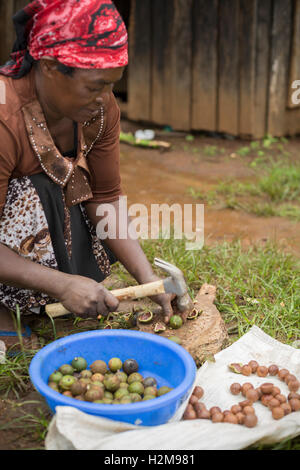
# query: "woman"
[[59, 160]]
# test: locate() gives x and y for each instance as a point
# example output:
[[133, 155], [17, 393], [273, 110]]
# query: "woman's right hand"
[[85, 297]]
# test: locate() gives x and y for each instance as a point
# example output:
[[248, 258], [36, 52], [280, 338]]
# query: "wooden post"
[[139, 68], [204, 62], [228, 89], [181, 65], [7, 33], [247, 41], [262, 72], [279, 78], [19, 4], [295, 57], [162, 19]]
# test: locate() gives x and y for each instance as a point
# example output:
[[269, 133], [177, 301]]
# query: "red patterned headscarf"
[[88, 34]]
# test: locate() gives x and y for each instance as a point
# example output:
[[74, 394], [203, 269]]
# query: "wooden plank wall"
[[215, 65]]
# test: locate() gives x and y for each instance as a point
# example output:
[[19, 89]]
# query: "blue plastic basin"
[[158, 357]]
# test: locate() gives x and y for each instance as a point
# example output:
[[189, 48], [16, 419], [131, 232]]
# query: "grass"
[[255, 286], [34, 425], [14, 375], [275, 193], [255, 153]]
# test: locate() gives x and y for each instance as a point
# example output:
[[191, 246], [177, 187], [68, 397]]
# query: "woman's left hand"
[[164, 300]]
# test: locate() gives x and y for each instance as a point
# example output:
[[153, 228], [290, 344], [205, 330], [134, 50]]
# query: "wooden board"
[[295, 55], [262, 59], [180, 65], [205, 59], [139, 69], [228, 89], [293, 122], [7, 33], [19, 4], [279, 66], [162, 19], [247, 21]]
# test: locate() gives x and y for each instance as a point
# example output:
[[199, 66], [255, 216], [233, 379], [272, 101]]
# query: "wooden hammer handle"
[[133, 292]]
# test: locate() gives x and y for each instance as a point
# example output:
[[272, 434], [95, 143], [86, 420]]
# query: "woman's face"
[[80, 96]]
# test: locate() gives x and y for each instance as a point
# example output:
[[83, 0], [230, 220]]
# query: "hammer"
[[175, 284]]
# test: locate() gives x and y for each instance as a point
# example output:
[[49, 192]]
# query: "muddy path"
[[154, 177]]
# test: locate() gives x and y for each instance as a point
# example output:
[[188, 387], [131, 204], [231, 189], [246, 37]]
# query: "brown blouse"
[[27, 147]]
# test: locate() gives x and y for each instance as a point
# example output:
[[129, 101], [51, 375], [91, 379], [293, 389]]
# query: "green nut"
[[136, 387], [98, 366], [148, 397], [135, 397], [122, 376], [176, 321], [79, 363], [121, 392], [125, 400], [115, 364], [66, 369], [66, 382], [86, 374], [55, 377], [54, 386], [150, 391], [112, 383], [135, 377], [163, 390]]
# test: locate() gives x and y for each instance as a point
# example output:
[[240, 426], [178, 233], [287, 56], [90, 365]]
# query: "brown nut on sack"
[[282, 374], [203, 414], [273, 403], [193, 400], [246, 370], [252, 395], [245, 387], [286, 408], [235, 388], [293, 385], [235, 409], [278, 412], [254, 365], [295, 404], [275, 391], [273, 369], [189, 413], [250, 420], [265, 399], [198, 392], [266, 388], [240, 417], [215, 409], [217, 417], [230, 418], [262, 371]]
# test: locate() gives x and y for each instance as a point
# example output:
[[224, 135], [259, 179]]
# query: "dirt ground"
[[152, 176]]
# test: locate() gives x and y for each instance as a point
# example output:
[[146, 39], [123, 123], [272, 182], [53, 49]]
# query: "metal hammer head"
[[176, 284]]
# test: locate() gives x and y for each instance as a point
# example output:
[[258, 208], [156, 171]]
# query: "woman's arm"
[[78, 294], [129, 252]]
